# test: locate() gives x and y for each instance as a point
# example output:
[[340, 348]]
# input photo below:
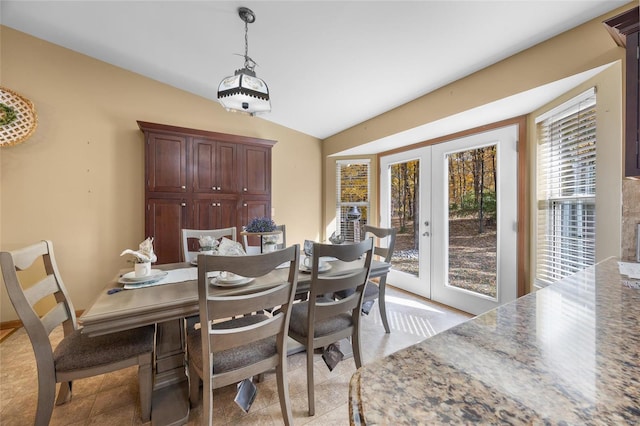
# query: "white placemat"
[[173, 276]]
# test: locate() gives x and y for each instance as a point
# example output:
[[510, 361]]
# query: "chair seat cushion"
[[234, 358], [77, 351], [300, 313]]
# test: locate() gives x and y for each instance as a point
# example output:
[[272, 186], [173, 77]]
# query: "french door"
[[454, 206]]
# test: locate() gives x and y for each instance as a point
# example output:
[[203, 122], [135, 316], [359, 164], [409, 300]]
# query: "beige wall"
[[583, 48], [78, 180]]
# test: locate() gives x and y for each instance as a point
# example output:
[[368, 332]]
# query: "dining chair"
[[225, 351], [77, 356], [321, 320], [282, 241], [385, 241], [190, 247]]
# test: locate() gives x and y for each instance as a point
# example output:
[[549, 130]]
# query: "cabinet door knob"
[[183, 187], [245, 204], [183, 204], [244, 189], [213, 188], [218, 188]]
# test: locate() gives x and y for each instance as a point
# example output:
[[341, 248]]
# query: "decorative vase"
[[269, 243], [142, 269], [354, 213]]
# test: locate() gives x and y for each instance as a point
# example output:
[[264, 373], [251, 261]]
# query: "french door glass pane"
[[405, 214], [472, 220]]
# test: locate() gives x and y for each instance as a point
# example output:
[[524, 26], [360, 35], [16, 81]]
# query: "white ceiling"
[[329, 64]]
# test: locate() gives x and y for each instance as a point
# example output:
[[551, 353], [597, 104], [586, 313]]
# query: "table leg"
[[170, 404]]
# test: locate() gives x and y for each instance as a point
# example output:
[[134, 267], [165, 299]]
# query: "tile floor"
[[111, 399]]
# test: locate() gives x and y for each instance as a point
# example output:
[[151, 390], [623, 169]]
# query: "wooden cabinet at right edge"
[[624, 29], [198, 179]]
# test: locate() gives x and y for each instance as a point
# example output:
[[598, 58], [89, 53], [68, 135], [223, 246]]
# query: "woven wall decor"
[[18, 118]]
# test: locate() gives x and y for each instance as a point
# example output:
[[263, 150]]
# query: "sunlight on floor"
[[411, 304], [409, 323]]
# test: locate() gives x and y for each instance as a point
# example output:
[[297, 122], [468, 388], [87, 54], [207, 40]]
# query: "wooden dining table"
[[167, 306]]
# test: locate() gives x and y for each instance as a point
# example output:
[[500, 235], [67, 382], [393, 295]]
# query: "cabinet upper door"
[[214, 166], [227, 167], [256, 170], [167, 163]]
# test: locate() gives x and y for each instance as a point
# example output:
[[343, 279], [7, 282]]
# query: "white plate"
[[321, 269], [231, 280], [130, 277], [236, 283]]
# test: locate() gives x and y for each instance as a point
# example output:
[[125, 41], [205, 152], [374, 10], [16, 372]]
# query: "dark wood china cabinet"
[[201, 180], [624, 29]]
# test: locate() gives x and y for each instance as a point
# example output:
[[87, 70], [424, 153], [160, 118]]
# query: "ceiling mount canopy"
[[243, 91]]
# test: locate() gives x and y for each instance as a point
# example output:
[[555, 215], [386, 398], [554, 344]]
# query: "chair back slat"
[[385, 240], [190, 245], [55, 317], [381, 252], [231, 306], [343, 252], [25, 257], [327, 284], [223, 339], [41, 289], [247, 266], [330, 310]]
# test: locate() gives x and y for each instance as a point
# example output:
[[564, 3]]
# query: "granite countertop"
[[566, 354]]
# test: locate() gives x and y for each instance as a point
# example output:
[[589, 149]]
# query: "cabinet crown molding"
[[147, 127]]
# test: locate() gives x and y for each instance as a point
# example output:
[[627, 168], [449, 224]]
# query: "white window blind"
[[566, 216], [352, 197]]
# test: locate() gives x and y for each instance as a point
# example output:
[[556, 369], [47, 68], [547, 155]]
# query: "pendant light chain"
[[246, 44], [249, 63]]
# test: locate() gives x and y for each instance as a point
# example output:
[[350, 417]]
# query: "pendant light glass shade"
[[243, 91]]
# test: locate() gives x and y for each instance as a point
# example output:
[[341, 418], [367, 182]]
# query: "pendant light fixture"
[[243, 91]]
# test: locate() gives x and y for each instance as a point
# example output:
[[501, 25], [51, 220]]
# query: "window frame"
[[340, 205], [577, 199]]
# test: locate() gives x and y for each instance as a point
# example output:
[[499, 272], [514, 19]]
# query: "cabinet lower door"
[[165, 220]]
